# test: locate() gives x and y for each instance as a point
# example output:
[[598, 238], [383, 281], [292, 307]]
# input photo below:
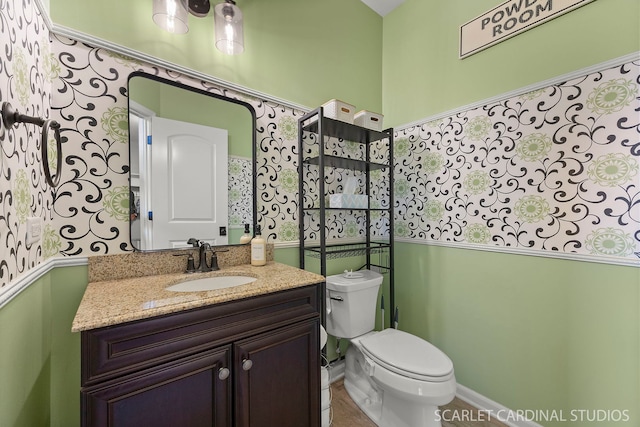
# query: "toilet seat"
[[407, 355]]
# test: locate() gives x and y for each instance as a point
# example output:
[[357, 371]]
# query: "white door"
[[188, 183]]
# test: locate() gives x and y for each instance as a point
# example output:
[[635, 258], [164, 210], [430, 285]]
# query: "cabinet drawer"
[[117, 350]]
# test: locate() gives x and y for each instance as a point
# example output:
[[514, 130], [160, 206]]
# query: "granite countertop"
[[111, 302]]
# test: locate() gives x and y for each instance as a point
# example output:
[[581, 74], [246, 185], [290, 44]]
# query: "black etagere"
[[319, 129]]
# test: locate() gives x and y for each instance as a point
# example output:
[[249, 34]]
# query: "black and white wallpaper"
[[554, 170], [92, 203], [27, 68]]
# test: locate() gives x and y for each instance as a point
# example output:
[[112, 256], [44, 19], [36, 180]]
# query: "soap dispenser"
[[246, 237], [258, 249]]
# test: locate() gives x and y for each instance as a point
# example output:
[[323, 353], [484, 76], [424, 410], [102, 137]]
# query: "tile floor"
[[347, 414]]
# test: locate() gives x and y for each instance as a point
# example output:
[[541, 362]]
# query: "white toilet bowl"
[[398, 379]]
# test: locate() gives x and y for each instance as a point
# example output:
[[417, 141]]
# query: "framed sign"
[[508, 19]]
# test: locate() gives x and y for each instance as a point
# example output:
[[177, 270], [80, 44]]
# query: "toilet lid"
[[407, 355]]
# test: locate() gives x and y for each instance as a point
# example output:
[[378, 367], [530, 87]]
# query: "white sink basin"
[[211, 283]]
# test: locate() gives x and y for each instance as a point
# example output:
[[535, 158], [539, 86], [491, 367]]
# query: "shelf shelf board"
[[347, 131], [350, 209], [347, 250], [343, 163]]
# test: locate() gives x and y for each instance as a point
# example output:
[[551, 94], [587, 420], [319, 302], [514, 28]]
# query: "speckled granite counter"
[[111, 302]]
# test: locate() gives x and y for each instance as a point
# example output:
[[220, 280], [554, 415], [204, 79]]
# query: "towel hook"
[[10, 117]]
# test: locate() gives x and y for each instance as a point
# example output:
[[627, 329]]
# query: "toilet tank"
[[351, 303]]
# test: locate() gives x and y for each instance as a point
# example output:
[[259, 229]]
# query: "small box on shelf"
[[368, 119], [339, 110]]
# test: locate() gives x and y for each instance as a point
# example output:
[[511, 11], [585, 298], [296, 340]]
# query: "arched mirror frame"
[[249, 108]]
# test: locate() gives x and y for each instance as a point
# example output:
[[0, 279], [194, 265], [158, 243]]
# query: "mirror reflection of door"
[[188, 194], [179, 181], [151, 96]]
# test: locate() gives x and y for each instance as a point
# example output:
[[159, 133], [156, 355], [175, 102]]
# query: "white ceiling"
[[382, 7]]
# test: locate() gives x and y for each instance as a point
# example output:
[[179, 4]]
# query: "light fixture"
[[228, 28], [171, 15]]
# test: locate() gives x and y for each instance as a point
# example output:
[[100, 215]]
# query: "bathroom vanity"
[[241, 356]]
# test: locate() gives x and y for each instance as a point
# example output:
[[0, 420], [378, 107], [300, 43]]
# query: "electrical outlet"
[[34, 229]]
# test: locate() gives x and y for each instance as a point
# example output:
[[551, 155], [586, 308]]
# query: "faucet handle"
[[191, 266], [214, 258], [214, 261]]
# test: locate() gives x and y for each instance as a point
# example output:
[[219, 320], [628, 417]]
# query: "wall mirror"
[[192, 165]]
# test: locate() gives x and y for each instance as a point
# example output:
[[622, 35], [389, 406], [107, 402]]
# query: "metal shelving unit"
[[320, 130]]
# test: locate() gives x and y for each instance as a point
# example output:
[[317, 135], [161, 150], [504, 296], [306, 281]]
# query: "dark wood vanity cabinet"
[[248, 363]]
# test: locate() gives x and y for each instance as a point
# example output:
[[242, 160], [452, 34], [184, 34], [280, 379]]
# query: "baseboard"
[[336, 370], [496, 410]]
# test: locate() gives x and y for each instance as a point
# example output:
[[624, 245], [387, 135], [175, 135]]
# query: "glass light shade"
[[228, 28], [171, 15]]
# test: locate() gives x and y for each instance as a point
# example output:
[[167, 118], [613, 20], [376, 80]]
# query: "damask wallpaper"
[[27, 68], [90, 97], [556, 170]]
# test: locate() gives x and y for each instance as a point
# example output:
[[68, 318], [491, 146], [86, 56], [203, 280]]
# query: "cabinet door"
[[278, 377], [185, 392]]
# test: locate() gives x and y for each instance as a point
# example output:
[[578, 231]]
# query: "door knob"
[[246, 364], [223, 373]]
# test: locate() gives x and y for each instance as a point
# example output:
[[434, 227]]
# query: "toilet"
[[396, 378]]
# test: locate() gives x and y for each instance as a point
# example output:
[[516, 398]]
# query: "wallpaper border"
[[24, 281], [626, 262], [511, 250]]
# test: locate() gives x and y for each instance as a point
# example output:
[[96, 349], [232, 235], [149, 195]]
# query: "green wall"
[[39, 356], [25, 357], [422, 75], [528, 332], [67, 288], [303, 51]]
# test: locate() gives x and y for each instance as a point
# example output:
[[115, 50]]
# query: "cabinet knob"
[[246, 364], [223, 373]]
